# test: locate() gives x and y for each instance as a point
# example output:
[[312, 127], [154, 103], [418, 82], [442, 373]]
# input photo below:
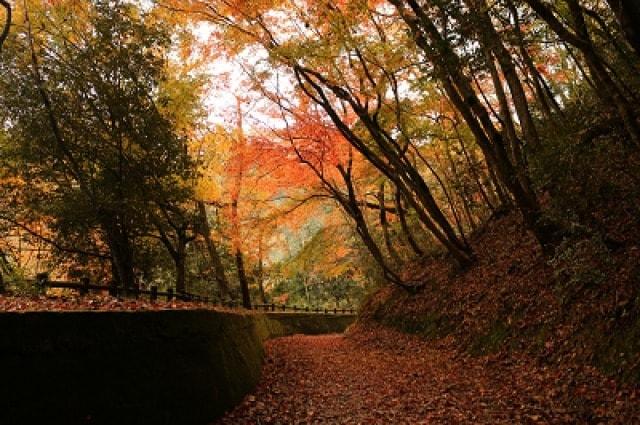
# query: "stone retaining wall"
[[156, 367]]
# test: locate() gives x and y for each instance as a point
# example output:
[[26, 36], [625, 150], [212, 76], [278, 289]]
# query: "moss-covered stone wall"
[[156, 367]]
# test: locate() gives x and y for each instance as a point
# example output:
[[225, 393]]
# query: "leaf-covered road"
[[383, 377]]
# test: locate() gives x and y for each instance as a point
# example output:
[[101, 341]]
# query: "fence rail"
[[84, 286], [295, 308]]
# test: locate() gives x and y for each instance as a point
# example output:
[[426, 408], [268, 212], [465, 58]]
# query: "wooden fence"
[[283, 307], [84, 286]]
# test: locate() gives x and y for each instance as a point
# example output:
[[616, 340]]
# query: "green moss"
[[282, 324], [540, 336], [429, 325], [617, 353], [491, 341]]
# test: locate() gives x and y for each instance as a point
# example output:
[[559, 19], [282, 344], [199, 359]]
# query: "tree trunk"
[[181, 286], [492, 41], [122, 254], [461, 190], [180, 260], [242, 278], [385, 226], [350, 205], [307, 296], [390, 159], [260, 272], [235, 218], [606, 88], [214, 256], [462, 95], [627, 13], [515, 144], [476, 176], [447, 195], [405, 228]]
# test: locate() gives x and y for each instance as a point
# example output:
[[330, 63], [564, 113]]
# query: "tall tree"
[[238, 169], [80, 91], [628, 15], [577, 34], [448, 68]]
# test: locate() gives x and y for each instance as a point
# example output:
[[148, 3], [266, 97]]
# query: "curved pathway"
[[383, 377]]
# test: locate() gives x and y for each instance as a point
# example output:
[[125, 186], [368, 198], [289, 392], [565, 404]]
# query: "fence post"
[[335, 311], [325, 310], [84, 285], [154, 293], [306, 308], [42, 280], [169, 294], [284, 307]]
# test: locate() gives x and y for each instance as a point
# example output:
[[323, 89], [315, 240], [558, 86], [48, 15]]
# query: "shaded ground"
[[378, 376]]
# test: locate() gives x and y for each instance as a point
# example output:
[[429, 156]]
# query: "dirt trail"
[[383, 377]]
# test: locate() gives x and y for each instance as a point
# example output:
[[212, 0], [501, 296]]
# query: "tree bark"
[[461, 191], [242, 278], [606, 87], [491, 39], [260, 272], [122, 255], [385, 225], [393, 163], [476, 177], [7, 22], [627, 13], [457, 85], [214, 256], [181, 269], [235, 218], [405, 228]]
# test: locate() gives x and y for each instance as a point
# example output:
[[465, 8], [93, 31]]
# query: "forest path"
[[384, 377]]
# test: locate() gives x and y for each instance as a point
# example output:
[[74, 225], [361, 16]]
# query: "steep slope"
[[579, 307]]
